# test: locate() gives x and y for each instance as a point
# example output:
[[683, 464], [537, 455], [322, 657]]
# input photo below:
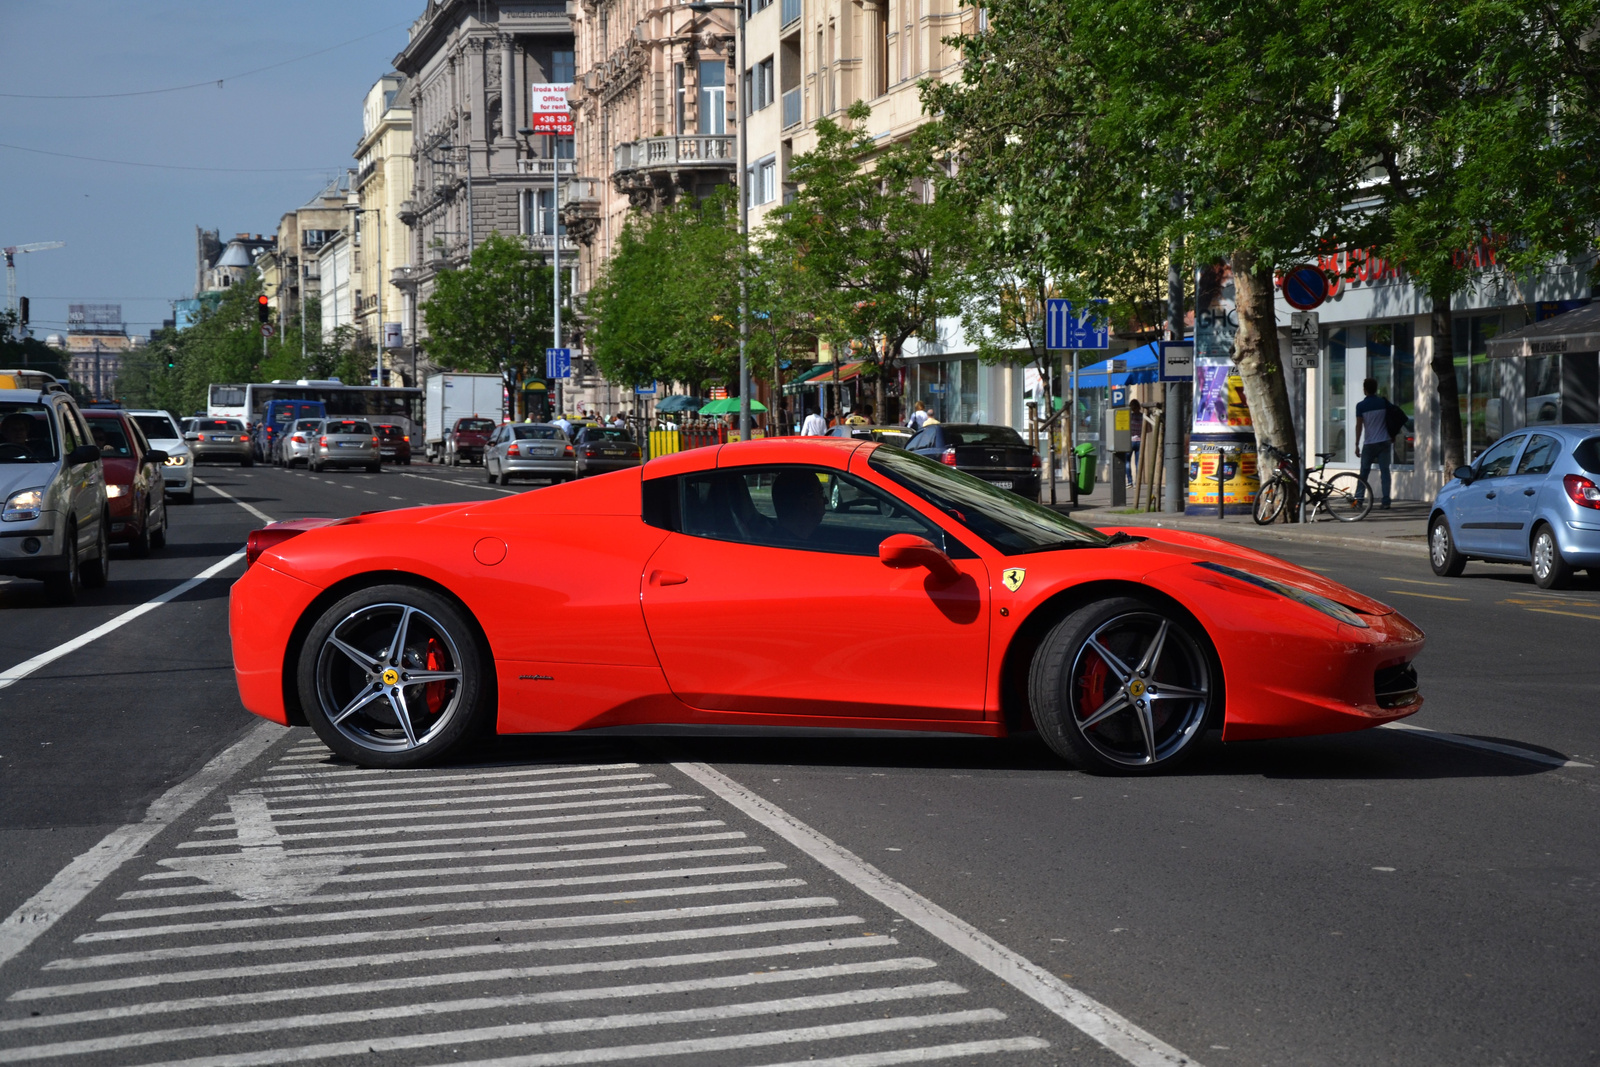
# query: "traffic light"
[[261, 307]]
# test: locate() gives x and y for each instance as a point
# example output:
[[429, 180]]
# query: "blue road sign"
[[1065, 330], [1119, 396], [1305, 287], [1177, 361], [558, 363], [645, 390]]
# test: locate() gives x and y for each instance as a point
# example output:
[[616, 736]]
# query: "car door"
[[85, 481], [768, 597], [1476, 507], [1517, 495]]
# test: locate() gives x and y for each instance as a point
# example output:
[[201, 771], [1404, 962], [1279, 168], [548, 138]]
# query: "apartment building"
[[289, 271], [383, 180]]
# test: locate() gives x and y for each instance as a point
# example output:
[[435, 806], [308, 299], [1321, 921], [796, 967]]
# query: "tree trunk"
[[1255, 355], [776, 423], [1443, 361]]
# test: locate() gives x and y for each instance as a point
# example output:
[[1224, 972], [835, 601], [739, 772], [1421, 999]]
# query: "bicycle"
[[1338, 495]]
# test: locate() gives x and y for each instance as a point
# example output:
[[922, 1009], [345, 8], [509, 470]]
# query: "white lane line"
[[145, 1038], [497, 974], [476, 853], [431, 828], [13, 675], [449, 872], [80, 877], [507, 809], [263, 516], [364, 914], [407, 799], [325, 782], [1488, 746], [544, 835], [344, 962], [462, 485], [1099, 1022], [340, 940], [926, 1054], [510, 1031]]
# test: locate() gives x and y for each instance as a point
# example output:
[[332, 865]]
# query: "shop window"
[[1481, 407], [1541, 378], [1391, 359], [1335, 436]]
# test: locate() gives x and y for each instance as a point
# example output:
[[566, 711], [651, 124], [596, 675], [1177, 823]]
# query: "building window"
[[563, 65], [1478, 382], [759, 85], [539, 214], [1334, 399], [763, 181], [1391, 360], [713, 97], [678, 102], [565, 147], [759, 5]]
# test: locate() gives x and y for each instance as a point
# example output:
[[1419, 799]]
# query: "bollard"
[[1222, 479]]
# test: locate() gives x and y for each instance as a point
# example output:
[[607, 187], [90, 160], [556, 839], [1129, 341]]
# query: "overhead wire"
[[165, 166]]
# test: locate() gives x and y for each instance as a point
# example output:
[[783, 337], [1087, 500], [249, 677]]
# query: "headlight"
[[177, 461], [1331, 608], [116, 490], [23, 505]]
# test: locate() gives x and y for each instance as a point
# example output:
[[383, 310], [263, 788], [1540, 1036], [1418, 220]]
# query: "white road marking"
[[263, 516], [450, 930], [13, 675], [927, 1054], [1099, 1022], [1488, 746], [461, 484], [384, 787], [542, 835], [340, 778], [430, 828], [407, 798], [506, 948], [504, 809], [498, 974], [80, 877]]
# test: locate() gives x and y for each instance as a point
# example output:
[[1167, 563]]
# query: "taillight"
[[1036, 464], [949, 457], [588, 452], [513, 450], [261, 540], [201, 437], [322, 441], [568, 451], [1583, 492], [633, 451], [406, 438], [298, 439], [374, 442]]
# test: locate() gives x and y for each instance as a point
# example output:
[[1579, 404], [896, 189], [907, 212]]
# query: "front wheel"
[[1349, 499], [1442, 554], [66, 584], [1550, 568], [1124, 686], [392, 676], [97, 572], [1271, 501]]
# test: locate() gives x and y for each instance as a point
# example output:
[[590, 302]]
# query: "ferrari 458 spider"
[[817, 582]]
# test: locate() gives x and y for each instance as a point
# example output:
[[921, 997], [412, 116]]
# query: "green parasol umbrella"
[[678, 402], [730, 406]]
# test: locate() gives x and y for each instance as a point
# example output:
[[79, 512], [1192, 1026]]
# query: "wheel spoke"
[[1111, 660], [364, 661], [422, 677], [1147, 726], [1118, 702], [363, 698], [1173, 692], [1152, 655], [400, 634], [400, 712]]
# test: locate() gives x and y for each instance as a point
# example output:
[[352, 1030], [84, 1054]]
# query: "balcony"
[[675, 153], [544, 242], [580, 191], [545, 168], [580, 208], [791, 108]]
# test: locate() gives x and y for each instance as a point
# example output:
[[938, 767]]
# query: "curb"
[[1095, 517]]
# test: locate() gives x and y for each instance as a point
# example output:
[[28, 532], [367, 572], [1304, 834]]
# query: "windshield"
[[474, 426], [1011, 524], [110, 438], [981, 435], [347, 427], [26, 434], [157, 427], [596, 433], [538, 433]]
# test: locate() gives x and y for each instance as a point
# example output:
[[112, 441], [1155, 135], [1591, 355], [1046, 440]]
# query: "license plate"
[[357, 444], [1001, 485], [612, 452]]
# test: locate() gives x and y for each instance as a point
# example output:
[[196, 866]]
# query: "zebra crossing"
[[561, 913]]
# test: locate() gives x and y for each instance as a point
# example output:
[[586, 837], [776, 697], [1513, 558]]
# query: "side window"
[[804, 508], [1496, 463], [924, 439], [1540, 455], [138, 436], [71, 434]]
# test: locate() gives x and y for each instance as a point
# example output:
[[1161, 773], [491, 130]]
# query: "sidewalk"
[[1403, 528]]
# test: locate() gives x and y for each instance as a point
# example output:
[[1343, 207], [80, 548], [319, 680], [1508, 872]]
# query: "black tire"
[[406, 461], [140, 546], [455, 458], [1343, 503], [1442, 554], [375, 468], [158, 536], [1550, 569], [488, 475], [248, 461], [1270, 502], [438, 637], [97, 572], [65, 585], [184, 498], [1121, 649], [505, 477]]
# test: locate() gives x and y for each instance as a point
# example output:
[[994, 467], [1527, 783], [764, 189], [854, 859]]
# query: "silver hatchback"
[[528, 450], [345, 443], [298, 443], [54, 521]]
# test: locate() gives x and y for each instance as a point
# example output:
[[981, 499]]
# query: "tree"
[[495, 314]]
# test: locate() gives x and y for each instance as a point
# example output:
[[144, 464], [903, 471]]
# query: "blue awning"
[[1143, 365]]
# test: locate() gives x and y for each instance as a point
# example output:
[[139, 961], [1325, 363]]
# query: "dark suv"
[[997, 454]]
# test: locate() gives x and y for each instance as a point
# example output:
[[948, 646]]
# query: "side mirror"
[[191, 436], [907, 551], [83, 454], [155, 455], [1464, 474]]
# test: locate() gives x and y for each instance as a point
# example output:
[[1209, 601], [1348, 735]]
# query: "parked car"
[[466, 441], [219, 440], [528, 450], [997, 454], [1532, 497], [394, 443], [163, 433], [345, 443], [599, 449], [297, 443], [899, 436], [54, 524], [135, 480]]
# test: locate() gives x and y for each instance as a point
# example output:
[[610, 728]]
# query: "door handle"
[[667, 578], [1488, 496], [1529, 492]]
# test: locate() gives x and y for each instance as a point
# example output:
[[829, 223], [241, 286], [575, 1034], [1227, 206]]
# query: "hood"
[[18, 476], [1168, 546]]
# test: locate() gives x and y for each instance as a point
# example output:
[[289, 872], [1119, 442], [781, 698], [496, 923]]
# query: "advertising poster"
[[1219, 405]]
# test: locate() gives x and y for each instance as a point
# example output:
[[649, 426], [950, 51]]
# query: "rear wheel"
[[392, 676], [1343, 502], [505, 477], [158, 536], [1270, 502], [1124, 686], [374, 468], [140, 546], [248, 461], [1442, 554], [1550, 569], [488, 475]]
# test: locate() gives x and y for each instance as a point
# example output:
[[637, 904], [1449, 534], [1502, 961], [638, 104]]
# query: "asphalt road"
[[1390, 897]]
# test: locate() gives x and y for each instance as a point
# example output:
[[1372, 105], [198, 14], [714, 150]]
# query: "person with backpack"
[[1377, 421]]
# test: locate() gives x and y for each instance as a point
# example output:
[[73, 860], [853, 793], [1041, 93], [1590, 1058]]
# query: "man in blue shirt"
[[1372, 418]]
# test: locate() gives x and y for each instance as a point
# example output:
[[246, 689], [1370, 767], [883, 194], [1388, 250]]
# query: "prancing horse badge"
[[1012, 578]]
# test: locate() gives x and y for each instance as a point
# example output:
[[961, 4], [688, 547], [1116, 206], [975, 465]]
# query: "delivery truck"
[[449, 398]]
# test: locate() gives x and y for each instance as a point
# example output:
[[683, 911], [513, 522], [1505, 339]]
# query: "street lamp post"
[[742, 183], [353, 203]]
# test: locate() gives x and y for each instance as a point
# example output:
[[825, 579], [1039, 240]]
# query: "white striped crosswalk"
[[324, 914]]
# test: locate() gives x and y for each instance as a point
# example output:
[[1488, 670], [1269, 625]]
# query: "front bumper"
[[587, 465], [16, 560]]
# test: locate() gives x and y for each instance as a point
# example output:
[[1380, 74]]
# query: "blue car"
[[1531, 497]]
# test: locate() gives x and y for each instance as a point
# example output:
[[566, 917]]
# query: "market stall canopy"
[[1142, 364], [730, 406], [677, 402], [1577, 330], [822, 374]]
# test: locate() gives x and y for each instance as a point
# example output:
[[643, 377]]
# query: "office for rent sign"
[[548, 109]]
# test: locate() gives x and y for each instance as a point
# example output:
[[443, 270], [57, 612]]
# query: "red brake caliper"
[[1092, 686], [435, 693]]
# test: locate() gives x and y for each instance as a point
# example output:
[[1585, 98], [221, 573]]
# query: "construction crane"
[[11, 266]]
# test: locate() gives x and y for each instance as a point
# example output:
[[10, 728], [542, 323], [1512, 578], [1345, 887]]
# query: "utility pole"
[[555, 245], [1172, 440]]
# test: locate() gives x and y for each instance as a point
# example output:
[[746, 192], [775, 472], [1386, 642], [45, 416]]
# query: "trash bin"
[[1086, 459]]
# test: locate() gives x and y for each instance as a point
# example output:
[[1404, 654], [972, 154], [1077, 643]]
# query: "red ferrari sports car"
[[817, 582]]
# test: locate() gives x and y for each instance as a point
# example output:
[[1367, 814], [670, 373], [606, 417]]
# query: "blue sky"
[[129, 231]]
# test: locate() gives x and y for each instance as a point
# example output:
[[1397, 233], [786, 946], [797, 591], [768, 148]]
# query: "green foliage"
[[494, 315], [27, 353]]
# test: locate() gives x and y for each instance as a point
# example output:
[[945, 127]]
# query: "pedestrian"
[[1135, 428], [919, 417], [1372, 422], [814, 426]]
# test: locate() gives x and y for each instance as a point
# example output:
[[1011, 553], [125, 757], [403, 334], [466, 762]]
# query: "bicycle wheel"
[[1270, 502], [1343, 502]]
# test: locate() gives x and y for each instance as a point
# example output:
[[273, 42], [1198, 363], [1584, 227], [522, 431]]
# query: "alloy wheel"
[[389, 678], [1139, 689]]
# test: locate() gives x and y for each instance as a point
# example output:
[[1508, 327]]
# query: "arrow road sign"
[[1064, 330], [558, 363]]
